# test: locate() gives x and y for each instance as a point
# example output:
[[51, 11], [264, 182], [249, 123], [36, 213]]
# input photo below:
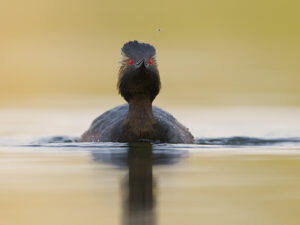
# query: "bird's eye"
[[130, 62], [150, 61]]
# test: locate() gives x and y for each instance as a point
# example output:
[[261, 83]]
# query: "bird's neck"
[[140, 110], [140, 119]]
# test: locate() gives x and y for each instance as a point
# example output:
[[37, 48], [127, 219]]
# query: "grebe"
[[139, 84]]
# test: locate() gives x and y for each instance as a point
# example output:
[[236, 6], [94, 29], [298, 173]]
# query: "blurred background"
[[59, 69], [233, 52]]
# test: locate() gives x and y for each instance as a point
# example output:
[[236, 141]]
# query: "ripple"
[[247, 141], [67, 142]]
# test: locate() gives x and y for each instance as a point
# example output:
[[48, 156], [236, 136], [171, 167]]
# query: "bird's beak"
[[140, 63]]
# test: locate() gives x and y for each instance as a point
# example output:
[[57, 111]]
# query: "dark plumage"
[[136, 50], [139, 84]]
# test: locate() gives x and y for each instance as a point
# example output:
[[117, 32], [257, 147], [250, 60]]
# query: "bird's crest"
[[137, 50]]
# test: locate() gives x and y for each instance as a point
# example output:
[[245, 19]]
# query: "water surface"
[[243, 169]]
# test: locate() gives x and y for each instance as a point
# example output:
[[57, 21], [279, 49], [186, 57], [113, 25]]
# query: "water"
[[243, 169]]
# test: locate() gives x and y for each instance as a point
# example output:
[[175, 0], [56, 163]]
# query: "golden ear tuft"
[[124, 60]]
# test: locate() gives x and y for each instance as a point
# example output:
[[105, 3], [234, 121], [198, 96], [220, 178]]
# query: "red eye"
[[130, 62], [150, 61]]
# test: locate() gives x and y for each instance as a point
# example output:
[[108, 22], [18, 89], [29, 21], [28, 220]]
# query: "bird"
[[138, 120]]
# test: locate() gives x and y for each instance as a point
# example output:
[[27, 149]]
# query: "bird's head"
[[138, 74]]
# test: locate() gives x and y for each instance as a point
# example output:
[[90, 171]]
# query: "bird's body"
[[139, 84], [111, 127]]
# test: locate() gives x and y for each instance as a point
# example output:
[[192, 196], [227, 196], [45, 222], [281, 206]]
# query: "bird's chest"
[[138, 130]]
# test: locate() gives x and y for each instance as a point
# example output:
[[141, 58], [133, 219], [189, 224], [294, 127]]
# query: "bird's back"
[[108, 127]]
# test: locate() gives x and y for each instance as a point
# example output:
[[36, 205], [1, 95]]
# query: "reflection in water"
[[138, 189], [139, 207]]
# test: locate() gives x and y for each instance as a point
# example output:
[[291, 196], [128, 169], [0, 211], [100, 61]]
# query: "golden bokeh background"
[[216, 52]]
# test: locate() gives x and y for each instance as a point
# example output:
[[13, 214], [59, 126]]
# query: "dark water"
[[247, 141], [231, 141]]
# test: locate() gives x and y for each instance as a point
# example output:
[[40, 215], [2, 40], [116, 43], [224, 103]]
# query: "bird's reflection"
[[138, 189], [139, 207]]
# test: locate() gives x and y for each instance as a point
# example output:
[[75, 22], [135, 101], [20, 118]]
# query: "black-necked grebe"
[[139, 84]]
